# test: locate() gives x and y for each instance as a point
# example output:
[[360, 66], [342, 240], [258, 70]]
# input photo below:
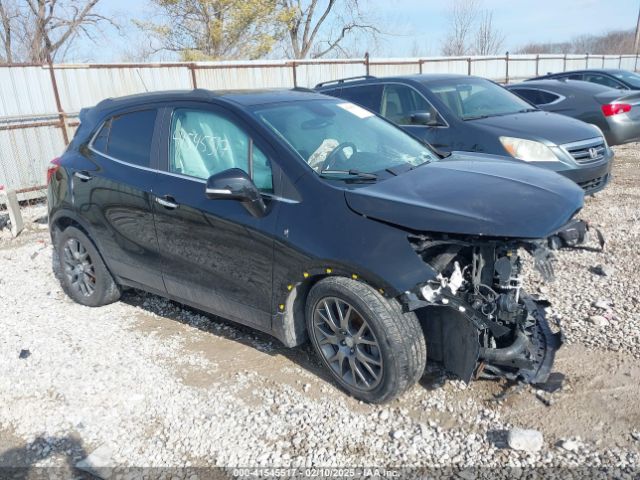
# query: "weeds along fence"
[[39, 104]]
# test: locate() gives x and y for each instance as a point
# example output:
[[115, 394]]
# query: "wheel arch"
[[63, 219], [288, 323]]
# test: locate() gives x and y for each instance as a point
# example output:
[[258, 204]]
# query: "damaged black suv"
[[308, 217]]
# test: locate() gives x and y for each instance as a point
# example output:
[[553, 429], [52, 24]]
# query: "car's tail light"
[[615, 108], [54, 165]]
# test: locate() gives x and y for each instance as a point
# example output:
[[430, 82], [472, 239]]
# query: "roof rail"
[[343, 80]]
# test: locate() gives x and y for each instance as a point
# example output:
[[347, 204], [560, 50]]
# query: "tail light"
[[615, 108], [54, 165]]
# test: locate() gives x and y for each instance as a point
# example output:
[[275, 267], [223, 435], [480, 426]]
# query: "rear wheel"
[[370, 347], [81, 271]]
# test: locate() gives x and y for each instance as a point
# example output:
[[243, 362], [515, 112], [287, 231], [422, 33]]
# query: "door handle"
[[83, 176], [167, 202]]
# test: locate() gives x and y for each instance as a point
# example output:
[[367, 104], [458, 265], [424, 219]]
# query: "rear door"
[[215, 254], [112, 190]]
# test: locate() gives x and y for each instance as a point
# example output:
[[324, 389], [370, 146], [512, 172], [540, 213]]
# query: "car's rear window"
[[128, 137]]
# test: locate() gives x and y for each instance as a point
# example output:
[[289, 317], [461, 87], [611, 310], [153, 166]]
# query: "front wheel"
[[370, 347]]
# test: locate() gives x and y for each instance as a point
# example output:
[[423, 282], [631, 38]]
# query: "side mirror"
[[235, 184], [424, 118]]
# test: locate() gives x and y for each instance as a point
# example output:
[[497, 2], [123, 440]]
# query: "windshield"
[[631, 78], [470, 98], [333, 136]]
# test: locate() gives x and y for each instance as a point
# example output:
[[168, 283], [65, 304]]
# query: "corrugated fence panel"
[[25, 153], [391, 67], [25, 91], [310, 74], [524, 66], [488, 67], [628, 63], [454, 65], [233, 77], [576, 62], [550, 64], [83, 87]]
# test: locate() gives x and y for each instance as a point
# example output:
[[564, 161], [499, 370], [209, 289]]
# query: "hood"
[[541, 126], [472, 195]]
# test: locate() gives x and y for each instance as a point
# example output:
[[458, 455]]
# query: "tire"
[[81, 271], [389, 337]]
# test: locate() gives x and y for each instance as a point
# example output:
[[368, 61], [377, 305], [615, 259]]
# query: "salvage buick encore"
[[306, 216]]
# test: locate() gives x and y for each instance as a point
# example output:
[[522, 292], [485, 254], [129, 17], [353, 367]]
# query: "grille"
[[587, 152], [595, 184]]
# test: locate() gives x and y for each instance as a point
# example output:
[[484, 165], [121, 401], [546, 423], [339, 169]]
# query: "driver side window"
[[204, 143], [399, 102]]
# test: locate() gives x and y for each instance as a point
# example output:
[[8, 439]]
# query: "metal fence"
[[39, 104]]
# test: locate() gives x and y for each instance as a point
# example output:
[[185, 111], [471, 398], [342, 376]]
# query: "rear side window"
[[602, 80], [369, 96], [537, 97], [128, 137]]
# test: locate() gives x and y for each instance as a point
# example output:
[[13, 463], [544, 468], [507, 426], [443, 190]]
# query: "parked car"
[[302, 215], [615, 113], [463, 113], [609, 77]]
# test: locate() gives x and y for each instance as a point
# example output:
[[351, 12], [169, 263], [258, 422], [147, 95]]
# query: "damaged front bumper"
[[479, 321]]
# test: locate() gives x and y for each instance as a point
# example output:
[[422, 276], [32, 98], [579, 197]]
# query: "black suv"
[[305, 216], [473, 114]]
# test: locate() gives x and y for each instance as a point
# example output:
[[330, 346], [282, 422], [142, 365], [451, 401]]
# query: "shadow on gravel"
[[303, 356], [19, 463]]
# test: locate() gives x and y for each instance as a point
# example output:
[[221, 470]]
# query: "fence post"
[[295, 74], [56, 94], [469, 66], [564, 63], [537, 64], [366, 63], [619, 62], [586, 62], [194, 81], [506, 64], [420, 66]]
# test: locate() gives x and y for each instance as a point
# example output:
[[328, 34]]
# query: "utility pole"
[[636, 42]]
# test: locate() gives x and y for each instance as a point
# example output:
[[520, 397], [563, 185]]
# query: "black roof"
[[608, 71], [558, 85], [412, 78], [240, 97]]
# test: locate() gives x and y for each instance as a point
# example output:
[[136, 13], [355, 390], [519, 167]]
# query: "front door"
[[215, 254], [400, 102]]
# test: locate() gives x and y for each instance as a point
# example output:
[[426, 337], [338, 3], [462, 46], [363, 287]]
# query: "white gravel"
[[155, 384]]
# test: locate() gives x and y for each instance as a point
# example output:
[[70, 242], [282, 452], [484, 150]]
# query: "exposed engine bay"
[[479, 321]]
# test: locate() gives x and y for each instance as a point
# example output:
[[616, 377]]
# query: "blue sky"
[[420, 25]]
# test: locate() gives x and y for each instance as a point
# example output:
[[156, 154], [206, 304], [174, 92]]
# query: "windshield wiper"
[[352, 173]]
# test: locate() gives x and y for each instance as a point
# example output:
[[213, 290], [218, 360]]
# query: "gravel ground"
[[146, 382]]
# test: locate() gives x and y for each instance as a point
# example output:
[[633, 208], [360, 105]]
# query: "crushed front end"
[[479, 321]]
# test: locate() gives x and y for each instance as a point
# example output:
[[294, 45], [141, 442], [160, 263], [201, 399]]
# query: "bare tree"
[[314, 28], [41, 30], [462, 18], [7, 17], [471, 30], [488, 40], [610, 43]]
